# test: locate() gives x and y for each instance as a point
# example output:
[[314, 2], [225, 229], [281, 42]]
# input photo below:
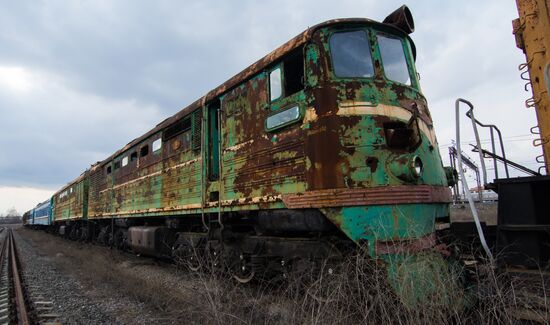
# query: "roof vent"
[[401, 18]]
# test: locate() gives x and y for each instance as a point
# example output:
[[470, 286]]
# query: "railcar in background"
[[323, 147], [40, 217]]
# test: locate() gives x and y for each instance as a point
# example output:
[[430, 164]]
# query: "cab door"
[[212, 152]]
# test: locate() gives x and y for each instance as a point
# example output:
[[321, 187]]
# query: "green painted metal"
[[71, 202], [366, 225]]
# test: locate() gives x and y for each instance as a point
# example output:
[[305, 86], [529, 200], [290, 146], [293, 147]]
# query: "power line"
[[486, 141]]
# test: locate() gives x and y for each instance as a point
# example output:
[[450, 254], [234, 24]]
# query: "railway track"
[[19, 304]]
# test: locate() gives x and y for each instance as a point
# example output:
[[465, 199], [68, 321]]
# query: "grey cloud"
[[109, 71]]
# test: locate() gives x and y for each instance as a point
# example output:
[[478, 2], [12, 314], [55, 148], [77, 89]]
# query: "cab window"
[[393, 59], [351, 56]]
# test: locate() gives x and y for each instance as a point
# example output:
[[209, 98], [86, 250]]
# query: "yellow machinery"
[[532, 31]]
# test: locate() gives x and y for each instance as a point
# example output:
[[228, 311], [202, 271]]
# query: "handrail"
[[493, 127]]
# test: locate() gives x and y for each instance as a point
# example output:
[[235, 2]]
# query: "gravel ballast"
[[90, 284]]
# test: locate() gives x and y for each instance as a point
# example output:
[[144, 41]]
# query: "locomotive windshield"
[[351, 54], [352, 58], [393, 59]]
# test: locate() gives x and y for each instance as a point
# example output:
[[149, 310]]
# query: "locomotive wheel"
[[244, 275], [241, 270]]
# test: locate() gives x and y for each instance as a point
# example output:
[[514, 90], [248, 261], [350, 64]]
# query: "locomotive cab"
[[376, 171], [369, 135]]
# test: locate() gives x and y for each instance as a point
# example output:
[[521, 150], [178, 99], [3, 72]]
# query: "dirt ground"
[[487, 213]]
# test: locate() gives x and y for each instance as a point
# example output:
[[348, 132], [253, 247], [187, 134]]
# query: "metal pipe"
[[464, 182]]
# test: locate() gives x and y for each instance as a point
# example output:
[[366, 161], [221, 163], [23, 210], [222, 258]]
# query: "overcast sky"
[[80, 79]]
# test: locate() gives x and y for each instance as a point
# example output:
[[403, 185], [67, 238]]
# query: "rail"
[[17, 307]]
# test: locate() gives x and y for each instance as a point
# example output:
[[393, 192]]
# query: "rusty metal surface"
[[401, 194], [23, 316], [8, 254], [407, 246], [338, 155]]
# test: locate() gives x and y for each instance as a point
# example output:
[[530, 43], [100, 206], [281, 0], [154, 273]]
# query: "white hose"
[[463, 179]]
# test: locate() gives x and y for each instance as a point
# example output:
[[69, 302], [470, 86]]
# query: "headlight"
[[408, 168], [418, 166]]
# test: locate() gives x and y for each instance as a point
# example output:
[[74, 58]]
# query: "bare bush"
[[357, 291]]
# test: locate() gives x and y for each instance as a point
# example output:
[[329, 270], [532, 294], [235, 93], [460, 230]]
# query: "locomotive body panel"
[[71, 202]]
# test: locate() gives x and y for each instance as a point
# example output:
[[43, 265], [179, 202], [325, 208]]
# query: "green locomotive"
[[324, 146]]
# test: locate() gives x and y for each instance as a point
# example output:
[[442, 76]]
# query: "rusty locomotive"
[[324, 146]]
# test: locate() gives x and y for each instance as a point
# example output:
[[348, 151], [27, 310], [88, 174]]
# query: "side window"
[[133, 156], [275, 84], [293, 74], [287, 78], [117, 165], [157, 145], [176, 129], [144, 151], [282, 118], [108, 169], [125, 161]]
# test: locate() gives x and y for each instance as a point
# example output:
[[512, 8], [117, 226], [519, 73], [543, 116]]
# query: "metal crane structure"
[[523, 230], [532, 32]]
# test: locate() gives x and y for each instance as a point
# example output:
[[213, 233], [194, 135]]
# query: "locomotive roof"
[[244, 75], [76, 180]]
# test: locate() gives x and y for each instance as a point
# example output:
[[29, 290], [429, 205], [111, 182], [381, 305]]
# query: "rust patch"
[[384, 195], [405, 246]]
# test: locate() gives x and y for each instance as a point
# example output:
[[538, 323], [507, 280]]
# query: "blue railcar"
[[41, 215]]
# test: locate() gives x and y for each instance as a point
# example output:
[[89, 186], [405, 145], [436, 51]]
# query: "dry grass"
[[357, 292]]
